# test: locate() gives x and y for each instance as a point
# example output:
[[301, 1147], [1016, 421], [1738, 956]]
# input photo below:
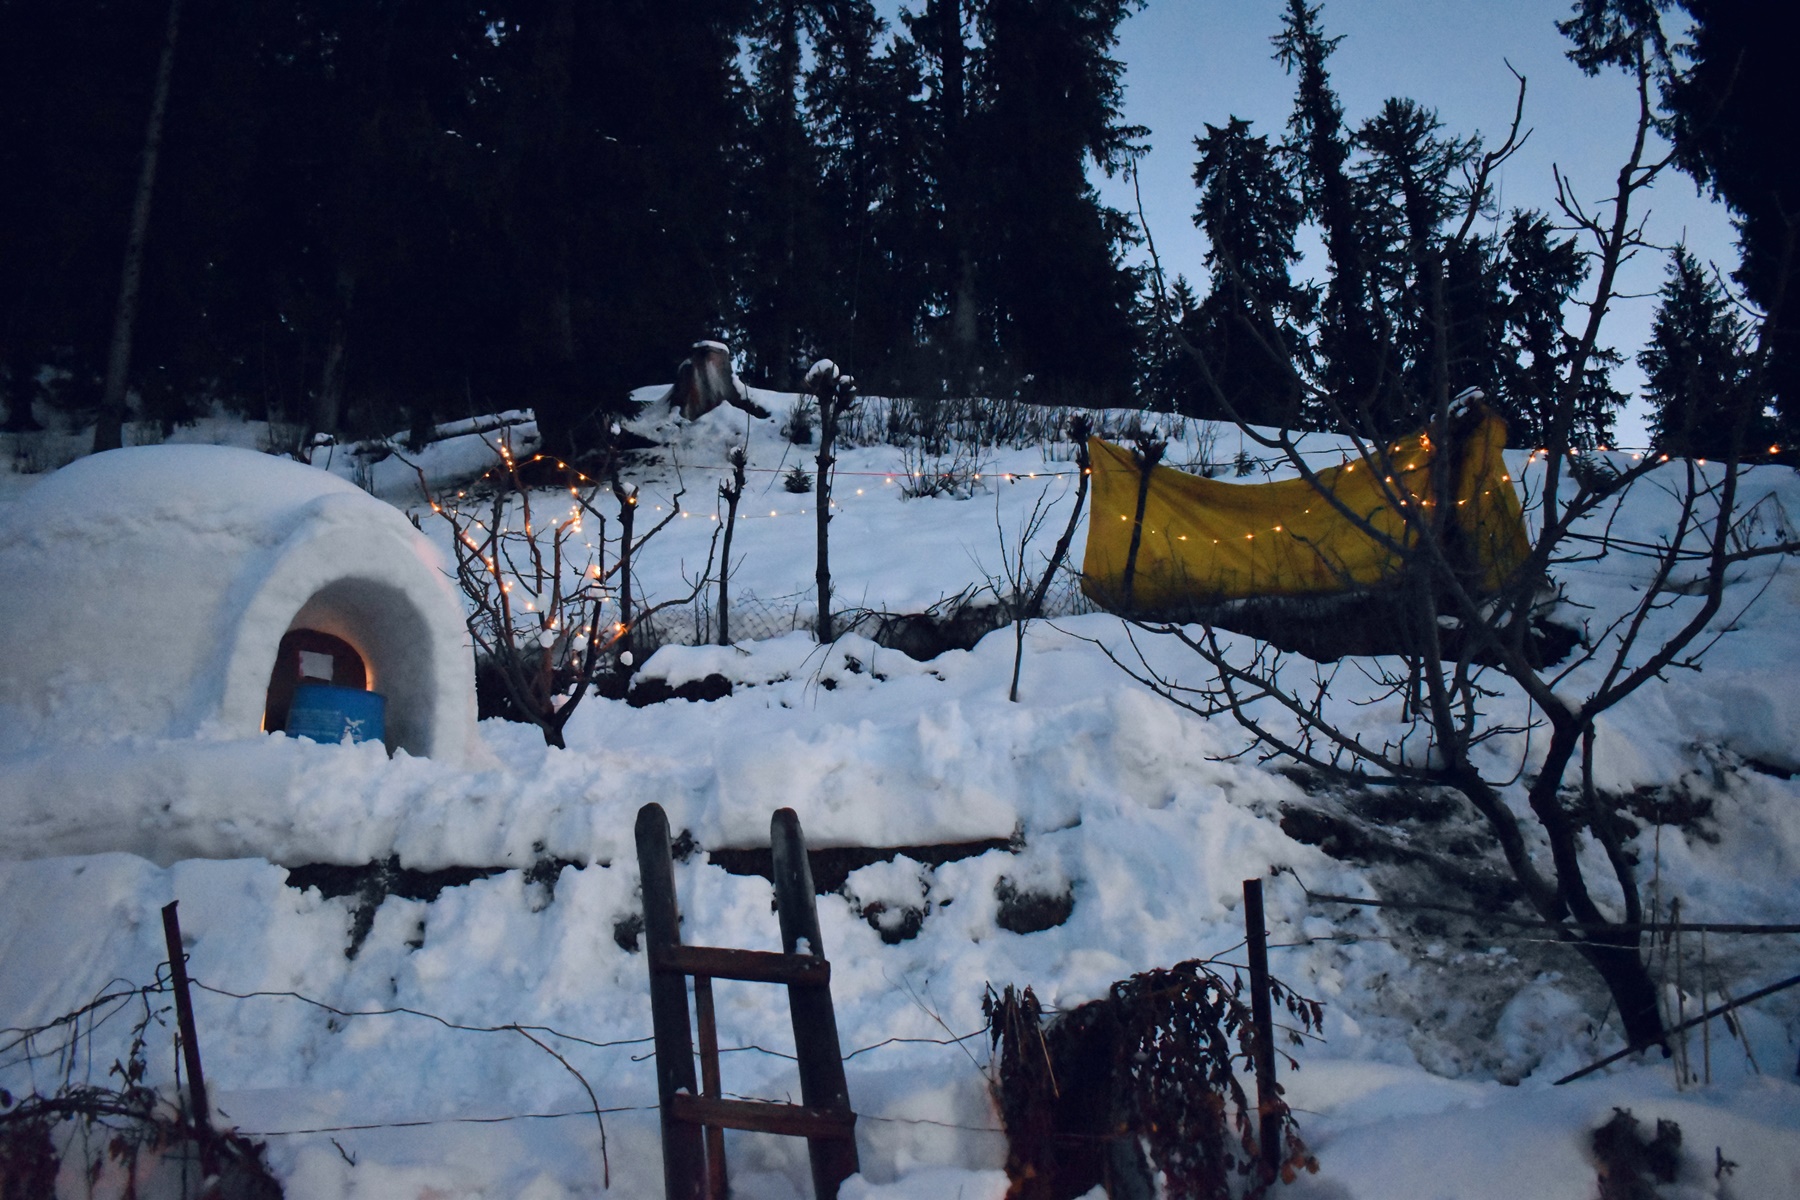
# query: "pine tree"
[[1732, 127], [844, 89], [1542, 273], [941, 31], [1406, 185], [1168, 380], [613, 194], [76, 84], [1694, 368], [1251, 326], [1352, 345], [1050, 254], [781, 208]]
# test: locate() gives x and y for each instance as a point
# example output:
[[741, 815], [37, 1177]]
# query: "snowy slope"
[[1433, 1077]]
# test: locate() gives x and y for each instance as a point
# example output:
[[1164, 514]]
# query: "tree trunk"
[[109, 429], [1614, 953], [21, 387], [1616, 958], [328, 401], [963, 330]]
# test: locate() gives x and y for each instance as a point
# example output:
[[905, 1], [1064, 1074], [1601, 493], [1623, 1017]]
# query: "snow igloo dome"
[[154, 592]]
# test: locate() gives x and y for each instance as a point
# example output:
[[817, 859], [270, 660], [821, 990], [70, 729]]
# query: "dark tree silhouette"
[[1696, 368]]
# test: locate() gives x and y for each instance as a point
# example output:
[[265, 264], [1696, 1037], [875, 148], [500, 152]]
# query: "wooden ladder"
[[694, 1120]]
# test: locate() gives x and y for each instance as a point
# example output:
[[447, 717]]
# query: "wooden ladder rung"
[[754, 966], [762, 1116]]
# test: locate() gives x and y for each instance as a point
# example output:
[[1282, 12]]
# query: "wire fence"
[[949, 623], [71, 1051], [72, 1061]]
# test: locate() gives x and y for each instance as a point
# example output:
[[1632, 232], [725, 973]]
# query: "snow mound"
[[149, 588]]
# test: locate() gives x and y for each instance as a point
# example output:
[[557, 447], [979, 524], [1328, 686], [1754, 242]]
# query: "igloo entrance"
[[366, 634]]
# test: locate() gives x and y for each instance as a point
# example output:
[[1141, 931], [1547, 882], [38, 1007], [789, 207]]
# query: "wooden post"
[[684, 1156], [627, 496], [1257, 941], [716, 1185], [184, 1019], [822, 1084], [827, 392], [730, 492], [1145, 455]]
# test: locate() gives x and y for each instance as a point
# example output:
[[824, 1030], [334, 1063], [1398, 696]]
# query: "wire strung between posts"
[[25, 1035], [1704, 1017], [420, 1124], [414, 1012], [1531, 923], [73, 1019], [524, 1031], [513, 1027], [579, 1112]]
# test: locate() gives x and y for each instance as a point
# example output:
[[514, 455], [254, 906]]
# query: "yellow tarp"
[[1204, 540]]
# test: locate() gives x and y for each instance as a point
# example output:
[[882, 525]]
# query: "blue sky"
[[1193, 61]]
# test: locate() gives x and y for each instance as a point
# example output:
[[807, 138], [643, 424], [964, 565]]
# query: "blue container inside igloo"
[[327, 713]]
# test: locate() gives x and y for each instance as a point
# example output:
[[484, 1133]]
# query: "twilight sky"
[[1193, 61]]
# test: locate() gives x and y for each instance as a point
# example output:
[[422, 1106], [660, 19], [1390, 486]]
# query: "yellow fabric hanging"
[[1205, 541]]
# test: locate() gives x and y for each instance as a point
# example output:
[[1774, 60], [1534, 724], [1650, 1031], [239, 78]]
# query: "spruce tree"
[[1407, 180], [1694, 368], [1352, 345], [1252, 325], [781, 219], [1732, 127], [1050, 253]]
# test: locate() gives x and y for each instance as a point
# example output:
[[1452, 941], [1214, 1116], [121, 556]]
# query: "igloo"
[[144, 593]]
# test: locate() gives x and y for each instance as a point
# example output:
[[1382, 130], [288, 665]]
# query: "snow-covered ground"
[[1434, 1074]]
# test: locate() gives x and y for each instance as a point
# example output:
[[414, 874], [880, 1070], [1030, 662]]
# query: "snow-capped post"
[[1268, 1102], [627, 496], [730, 491], [836, 393], [184, 1021]]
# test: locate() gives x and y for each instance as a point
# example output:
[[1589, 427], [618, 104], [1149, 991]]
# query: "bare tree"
[[1480, 711], [547, 611], [1026, 587]]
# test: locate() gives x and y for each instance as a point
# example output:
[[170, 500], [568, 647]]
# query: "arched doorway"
[[309, 656]]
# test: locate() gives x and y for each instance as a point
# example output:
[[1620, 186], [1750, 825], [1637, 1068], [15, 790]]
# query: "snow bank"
[[148, 588], [1432, 1080]]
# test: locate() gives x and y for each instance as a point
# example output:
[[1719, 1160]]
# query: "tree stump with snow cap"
[[705, 380]]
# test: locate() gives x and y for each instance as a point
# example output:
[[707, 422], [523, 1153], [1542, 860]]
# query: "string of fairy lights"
[[468, 525]]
